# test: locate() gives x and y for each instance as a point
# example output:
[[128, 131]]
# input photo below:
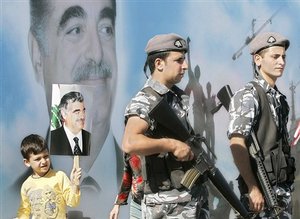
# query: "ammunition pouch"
[[275, 165], [280, 167], [164, 173], [290, 170]]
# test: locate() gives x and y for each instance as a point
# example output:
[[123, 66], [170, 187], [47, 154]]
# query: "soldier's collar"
[[157, 86], [263, 83]]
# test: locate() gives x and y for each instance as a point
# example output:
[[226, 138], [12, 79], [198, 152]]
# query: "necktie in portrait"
[[77, 150]]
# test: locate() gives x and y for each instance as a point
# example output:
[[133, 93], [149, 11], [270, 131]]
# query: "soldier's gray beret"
[[166, 42], [266, 40]]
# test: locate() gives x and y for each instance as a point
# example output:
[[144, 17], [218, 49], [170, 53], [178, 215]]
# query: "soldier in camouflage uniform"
[[164, 159], [246, 113]]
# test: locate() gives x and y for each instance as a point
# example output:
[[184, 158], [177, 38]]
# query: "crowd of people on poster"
[[95, 51]]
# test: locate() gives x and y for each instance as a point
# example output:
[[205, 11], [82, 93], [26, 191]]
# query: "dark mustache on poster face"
[[92, 71]]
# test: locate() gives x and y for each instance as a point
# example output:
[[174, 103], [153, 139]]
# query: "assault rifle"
[[202, 163], [224, 96]]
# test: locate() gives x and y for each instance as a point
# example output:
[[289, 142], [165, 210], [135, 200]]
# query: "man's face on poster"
[[74, 116], [79, 48]]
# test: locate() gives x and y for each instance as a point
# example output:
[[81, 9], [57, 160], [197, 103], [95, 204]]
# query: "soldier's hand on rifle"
[[256, 199], [181, 150]]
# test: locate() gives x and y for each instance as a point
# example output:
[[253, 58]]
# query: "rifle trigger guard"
[[198, 138]]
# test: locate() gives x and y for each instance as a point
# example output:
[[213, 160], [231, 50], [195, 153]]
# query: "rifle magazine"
[[190, 177]]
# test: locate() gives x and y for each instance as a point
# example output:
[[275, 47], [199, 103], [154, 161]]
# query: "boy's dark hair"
[[33, 144]]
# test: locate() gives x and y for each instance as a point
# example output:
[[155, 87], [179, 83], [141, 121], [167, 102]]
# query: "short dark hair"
[[72, 97], [151, 59], [33, 144], [39, 13], [263, 52]]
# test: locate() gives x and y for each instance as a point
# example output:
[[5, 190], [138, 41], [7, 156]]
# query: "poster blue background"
[[217, 29]]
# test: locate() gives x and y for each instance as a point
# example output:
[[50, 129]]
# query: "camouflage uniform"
[[244, 114], [171, 203]]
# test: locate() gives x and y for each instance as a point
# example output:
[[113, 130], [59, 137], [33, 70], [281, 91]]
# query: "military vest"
[[276, 154], [163, 171]]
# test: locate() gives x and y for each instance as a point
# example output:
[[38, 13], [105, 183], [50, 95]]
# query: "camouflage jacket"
[[244, 108], [141, 104]]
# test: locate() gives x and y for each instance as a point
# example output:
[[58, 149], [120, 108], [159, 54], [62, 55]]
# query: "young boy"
[[46, 192]]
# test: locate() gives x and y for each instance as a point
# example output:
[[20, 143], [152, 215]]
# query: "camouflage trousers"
[[284, 199], [175, 204]]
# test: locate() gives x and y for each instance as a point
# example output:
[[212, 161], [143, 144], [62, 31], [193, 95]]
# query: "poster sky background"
[[217, 29]]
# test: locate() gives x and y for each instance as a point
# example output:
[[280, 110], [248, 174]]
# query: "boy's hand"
[[75, 176], [76, 172]]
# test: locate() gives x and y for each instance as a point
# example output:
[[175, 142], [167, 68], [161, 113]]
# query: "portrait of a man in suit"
[[71, 138]]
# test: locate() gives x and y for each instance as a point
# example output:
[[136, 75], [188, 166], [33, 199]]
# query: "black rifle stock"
[[224, 95], [166, 117]]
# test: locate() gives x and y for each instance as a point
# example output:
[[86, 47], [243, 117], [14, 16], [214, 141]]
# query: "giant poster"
[[97, 48]]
